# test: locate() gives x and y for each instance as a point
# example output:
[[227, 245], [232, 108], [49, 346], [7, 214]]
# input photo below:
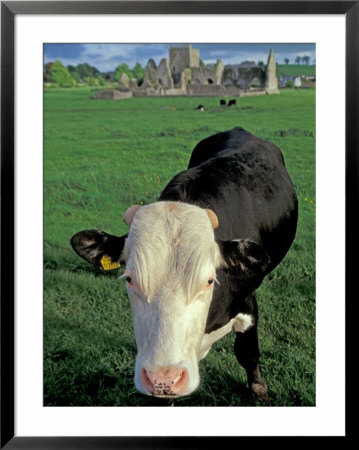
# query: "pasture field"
[[100, 157], [293, 70]]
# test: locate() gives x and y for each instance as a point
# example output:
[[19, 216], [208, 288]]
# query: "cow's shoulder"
[[213, 145], [237, 142]]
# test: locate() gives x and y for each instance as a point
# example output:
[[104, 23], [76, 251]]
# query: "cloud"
[[109, 56], [106, 57]]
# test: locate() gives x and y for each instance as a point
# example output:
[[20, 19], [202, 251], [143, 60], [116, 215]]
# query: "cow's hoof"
[[259, 390]]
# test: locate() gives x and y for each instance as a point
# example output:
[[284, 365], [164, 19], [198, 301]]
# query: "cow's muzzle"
[[165, 381]]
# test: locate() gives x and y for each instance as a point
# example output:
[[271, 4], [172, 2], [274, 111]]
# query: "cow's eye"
[[129, 281], [210, 281]]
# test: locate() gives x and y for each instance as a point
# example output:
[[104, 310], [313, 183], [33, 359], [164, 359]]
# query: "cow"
[[232, 102], [200, 107], [195, 257], [222, 102]]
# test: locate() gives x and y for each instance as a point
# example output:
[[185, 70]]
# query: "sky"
[[106, 57]]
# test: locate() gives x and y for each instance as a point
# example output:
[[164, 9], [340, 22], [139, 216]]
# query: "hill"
[[293, 70]]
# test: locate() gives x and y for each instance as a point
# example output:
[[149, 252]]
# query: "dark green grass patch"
[[295, 70], [100, 157]]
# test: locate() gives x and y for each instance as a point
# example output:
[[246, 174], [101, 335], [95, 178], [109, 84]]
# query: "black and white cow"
[[195, 258]]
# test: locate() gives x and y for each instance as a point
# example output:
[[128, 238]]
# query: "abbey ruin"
[[184, 73]]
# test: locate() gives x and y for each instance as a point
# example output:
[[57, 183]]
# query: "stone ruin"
[[184, 73], [271, 85]]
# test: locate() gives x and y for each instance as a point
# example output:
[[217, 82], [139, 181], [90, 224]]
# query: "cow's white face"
[[171, 260]]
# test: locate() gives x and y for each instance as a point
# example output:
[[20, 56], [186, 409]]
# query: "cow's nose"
[[165, 380]]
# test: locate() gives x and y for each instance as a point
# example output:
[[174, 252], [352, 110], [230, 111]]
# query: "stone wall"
[[209, 89], [233, 91], [112, 95], [204, 75], [174, 92]]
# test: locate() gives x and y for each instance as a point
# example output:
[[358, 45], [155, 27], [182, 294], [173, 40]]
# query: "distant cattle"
[[222, 102], [194, 259], [232, 102], [200, 107]]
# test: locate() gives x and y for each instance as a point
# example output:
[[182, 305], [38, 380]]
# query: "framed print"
[[68, 348]]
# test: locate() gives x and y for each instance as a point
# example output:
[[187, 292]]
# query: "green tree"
[[101, 81], [74, 74], [47, 72], [298, 60], [122, 68], [60, 75], [286, 60], [85, 70], [138, 72]]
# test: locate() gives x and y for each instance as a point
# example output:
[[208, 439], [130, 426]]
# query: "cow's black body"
[[243, 179]]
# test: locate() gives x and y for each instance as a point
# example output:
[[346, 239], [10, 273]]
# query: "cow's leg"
[[246, 349]]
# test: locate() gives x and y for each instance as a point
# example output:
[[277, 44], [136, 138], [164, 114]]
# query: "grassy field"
[[293, 70], [103, 156]]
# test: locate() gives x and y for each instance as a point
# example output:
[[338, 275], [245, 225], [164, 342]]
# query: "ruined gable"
[[150, 71], [163, 74]]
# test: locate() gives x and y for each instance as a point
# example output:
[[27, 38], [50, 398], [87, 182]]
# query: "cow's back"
[[243, 179]]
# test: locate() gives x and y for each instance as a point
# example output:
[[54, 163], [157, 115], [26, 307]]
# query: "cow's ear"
[[130, 214], [99, 248], [245, 255]]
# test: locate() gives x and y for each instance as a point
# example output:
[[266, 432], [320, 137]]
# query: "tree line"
[[56, 73], [299, 60]]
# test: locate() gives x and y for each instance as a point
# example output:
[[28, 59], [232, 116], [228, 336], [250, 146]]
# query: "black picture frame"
[[9, 9]]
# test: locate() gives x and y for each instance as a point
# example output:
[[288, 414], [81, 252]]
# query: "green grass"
[[103, 156], [292, 70]]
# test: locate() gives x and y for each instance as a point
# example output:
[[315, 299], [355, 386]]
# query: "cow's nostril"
[[146, 381], [180, 382], [165, 380]]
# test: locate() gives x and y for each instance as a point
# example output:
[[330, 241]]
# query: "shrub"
[[289, 84]]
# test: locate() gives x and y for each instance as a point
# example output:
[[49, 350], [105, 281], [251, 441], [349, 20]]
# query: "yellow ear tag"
[[108, 264]]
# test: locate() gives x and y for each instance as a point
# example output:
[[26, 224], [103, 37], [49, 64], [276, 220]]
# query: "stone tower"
[[271, 86], [183, 57]]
